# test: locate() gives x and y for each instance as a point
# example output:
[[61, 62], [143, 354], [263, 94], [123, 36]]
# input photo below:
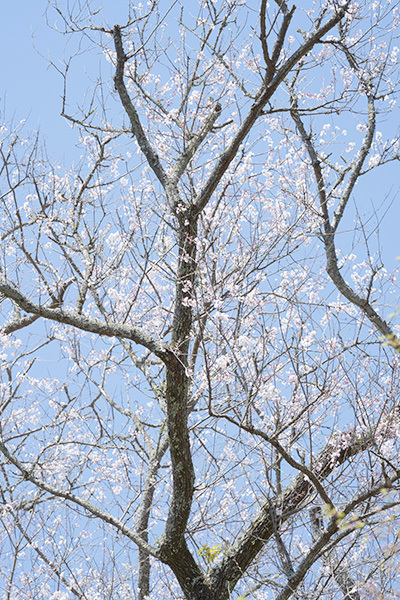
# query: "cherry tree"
[[200, 373]]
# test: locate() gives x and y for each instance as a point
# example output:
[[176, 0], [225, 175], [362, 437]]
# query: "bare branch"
[[265, 93], [339, 572], [357, 166], [137, 129], [251, 542], [85, 323], [329, 230], [186, 156], [88, 506]]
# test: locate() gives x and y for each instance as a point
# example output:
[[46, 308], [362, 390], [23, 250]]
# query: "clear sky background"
[[31, 89], [28, 88]]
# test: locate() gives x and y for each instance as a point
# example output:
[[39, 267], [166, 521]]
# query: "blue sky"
[[29, 89]]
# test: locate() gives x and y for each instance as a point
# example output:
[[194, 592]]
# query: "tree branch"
[[332, 267], [265, 93], [186, 156], [357, 166], [137, 129], [85, 323], [339, 572], [88, 506], [224, 576]]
